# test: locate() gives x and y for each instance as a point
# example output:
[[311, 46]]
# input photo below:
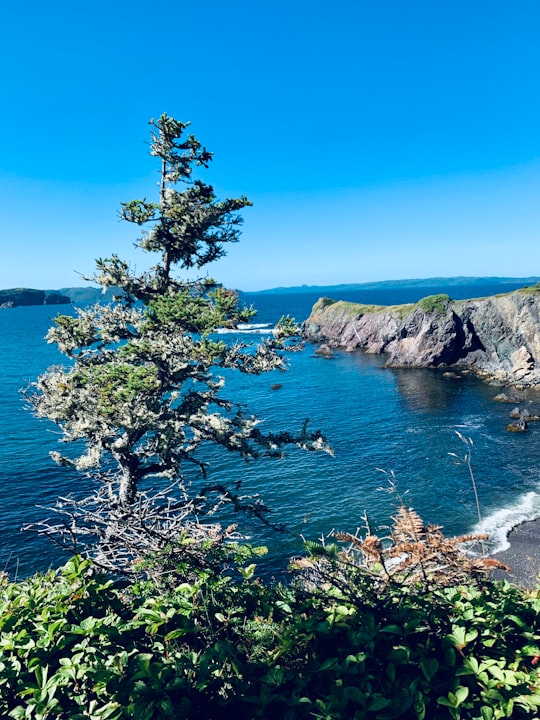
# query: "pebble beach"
[[523, 555]]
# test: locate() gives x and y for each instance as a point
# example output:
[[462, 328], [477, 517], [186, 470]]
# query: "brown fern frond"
[[492, 564], [408, 525], [474, 537], [350, 538], [414, 549], [414, 554], [372, 547]]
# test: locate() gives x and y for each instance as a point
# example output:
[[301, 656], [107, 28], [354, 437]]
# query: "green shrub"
[[434, 303], [74, 644], [325, 302]]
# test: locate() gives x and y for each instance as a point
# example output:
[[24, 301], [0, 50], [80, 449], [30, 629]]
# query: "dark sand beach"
[[523, 555]]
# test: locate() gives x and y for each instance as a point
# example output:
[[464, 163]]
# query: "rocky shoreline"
[[498, 337], [523, 555]]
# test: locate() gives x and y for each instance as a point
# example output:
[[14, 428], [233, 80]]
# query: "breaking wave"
[[500, 522], [248, 329]]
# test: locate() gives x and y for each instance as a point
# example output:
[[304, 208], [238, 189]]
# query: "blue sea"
[[381, 423]]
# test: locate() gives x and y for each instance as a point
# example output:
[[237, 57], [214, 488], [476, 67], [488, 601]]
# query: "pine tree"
[[142, 394]]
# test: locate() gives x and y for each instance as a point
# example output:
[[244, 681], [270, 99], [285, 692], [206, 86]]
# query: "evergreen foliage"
[[141, 396]]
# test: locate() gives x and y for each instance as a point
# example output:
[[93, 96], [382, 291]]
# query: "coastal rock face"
[[496, 336]]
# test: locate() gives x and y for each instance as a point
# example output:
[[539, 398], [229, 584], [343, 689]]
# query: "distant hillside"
[[15, 297], [89, 294], [398, 284]]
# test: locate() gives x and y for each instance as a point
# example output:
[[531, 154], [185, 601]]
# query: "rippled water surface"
[[377, 420]]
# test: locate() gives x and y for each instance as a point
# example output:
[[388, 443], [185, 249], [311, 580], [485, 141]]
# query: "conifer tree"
[[142, 394]]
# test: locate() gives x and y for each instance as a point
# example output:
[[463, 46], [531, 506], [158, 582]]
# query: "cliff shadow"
[[426, 389]]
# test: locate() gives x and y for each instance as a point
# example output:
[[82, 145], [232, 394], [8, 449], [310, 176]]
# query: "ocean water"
[[381, 423]]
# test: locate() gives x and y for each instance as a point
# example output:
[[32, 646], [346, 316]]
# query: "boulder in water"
[[518, 426]]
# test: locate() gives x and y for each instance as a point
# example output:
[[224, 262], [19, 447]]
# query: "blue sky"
[[377, 140]]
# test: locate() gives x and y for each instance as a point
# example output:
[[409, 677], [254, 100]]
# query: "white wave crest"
[[248, 328], [253, 326], [499, 523]]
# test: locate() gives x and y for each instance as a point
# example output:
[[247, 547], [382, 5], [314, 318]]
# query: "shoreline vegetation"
[[433, 282], [17, 297]]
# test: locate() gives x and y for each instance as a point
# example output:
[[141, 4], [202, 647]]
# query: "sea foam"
[[501, 522]]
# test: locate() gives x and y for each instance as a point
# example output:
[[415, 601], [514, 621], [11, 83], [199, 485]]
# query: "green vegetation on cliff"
[[434, 303]]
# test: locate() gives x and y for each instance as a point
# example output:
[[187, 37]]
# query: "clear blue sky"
[[377, 139]]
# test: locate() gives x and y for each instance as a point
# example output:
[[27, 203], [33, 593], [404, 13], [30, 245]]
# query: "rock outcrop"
[[498, 337]]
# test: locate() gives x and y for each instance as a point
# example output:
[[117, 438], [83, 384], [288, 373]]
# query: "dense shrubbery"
[[75, 644]]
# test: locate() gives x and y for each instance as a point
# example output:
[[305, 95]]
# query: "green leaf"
[[248, 571], [497, 673], [327, 664], [517, 621], [378, 703], [392, 629], [175, 634], [284, 607], [429, 667], [449, 701]]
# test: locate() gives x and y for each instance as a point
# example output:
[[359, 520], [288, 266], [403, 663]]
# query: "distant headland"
[[398, 284], [17, 297]]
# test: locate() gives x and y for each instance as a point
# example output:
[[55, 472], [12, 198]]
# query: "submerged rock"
[[503, 397], [324, 351], [519, 426], [524, 414]]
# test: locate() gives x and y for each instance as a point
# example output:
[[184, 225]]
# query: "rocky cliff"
[[498, 336]]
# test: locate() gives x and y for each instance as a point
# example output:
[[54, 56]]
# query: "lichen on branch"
[[142, 393]]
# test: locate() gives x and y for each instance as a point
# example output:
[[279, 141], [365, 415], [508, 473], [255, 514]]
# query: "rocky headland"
[[498, 337]]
